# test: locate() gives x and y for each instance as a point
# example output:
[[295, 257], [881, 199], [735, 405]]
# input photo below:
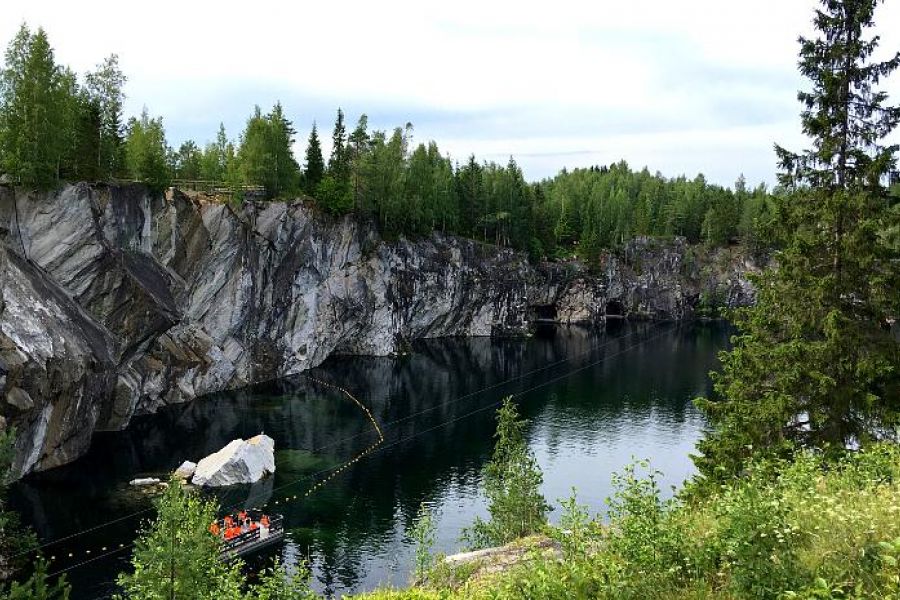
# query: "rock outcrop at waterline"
[[241, 461], [114, 301]]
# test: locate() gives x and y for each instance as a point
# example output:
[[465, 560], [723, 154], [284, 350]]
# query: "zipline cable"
[[590, 350]]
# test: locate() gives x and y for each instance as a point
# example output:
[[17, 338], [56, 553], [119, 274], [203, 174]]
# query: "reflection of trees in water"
[[661, 376], [355, 515]]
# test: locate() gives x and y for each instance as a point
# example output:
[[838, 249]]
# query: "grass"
[[802, 530]]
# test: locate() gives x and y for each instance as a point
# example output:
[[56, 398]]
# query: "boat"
[[247, 531]]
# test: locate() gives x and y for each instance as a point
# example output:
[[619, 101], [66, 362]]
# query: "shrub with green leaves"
[[175, 556], [809, 528], [422, 533], [512, 484]]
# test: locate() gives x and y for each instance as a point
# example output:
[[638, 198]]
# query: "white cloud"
[[700, 85]]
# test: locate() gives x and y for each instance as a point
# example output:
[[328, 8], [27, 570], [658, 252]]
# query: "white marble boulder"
[[185, 470], [241, 461]]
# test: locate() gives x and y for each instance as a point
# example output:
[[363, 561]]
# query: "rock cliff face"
[[114, 302]]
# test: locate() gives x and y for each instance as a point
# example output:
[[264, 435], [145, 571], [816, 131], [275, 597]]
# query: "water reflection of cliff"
[[352, 528]]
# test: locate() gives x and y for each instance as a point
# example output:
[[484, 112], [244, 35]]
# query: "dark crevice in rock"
[[132, 301]]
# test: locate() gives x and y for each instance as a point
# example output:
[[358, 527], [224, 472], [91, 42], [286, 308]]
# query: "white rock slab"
[[141, 481], [185, 470], [241, 461]]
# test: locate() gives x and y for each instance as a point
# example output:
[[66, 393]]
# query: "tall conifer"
[[315, 163], [815, 363]]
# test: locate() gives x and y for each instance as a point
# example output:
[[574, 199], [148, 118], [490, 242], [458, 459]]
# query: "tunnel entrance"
[[615, 310], [543, 313]]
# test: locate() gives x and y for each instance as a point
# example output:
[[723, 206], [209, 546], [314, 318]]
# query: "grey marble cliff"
[[114, 302]]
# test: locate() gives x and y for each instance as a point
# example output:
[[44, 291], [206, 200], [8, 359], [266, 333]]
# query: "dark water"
[[601, 397]]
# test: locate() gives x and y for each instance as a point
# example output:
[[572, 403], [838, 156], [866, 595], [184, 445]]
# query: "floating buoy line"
[[93, 555], [352, 460]]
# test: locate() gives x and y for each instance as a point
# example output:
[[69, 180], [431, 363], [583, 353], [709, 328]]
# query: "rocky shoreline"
[[115, 302]]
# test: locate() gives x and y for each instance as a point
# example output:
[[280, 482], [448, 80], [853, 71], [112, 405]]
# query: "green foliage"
[[815, 364], [315, 164], [512, 481], [591, 210], [801, 529], [339, 162], [38, 586], [175, 556], [218, 159], [188, 161], [35, 104], [52, 129], [16, 542], [104, 91], [276, 583], [265, 154], [146, 152], [645, 535], [423, 534], [334, 195]]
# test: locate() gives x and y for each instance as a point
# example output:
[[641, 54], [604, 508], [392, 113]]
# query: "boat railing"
[[276, 526]]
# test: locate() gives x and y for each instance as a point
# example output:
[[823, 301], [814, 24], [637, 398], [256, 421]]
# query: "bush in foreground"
[[806, 529]]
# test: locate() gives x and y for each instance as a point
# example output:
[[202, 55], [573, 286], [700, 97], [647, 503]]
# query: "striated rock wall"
[[114, 302]]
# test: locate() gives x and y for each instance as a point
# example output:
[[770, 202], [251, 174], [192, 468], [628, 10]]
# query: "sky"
[[680, 87]]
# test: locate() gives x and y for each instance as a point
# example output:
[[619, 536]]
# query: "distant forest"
[[56, 126]]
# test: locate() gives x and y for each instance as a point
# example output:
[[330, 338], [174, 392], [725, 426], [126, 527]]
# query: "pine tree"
[[315, 164], [815, 364]]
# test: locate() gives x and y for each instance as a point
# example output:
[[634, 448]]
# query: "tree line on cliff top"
[[56, 126]]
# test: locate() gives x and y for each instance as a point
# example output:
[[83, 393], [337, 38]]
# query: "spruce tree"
[[337, 163], [358, 145], [285, 170], [315, 164], [815, 364], [334, 190]]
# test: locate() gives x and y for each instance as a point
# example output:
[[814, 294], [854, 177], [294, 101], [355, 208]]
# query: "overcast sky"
[[681, 87]]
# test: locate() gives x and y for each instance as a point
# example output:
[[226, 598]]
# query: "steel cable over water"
[[377, 446], [593, 348]]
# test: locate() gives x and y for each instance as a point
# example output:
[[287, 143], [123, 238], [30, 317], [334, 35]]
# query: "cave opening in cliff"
[[615, 310], [543, 312]]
